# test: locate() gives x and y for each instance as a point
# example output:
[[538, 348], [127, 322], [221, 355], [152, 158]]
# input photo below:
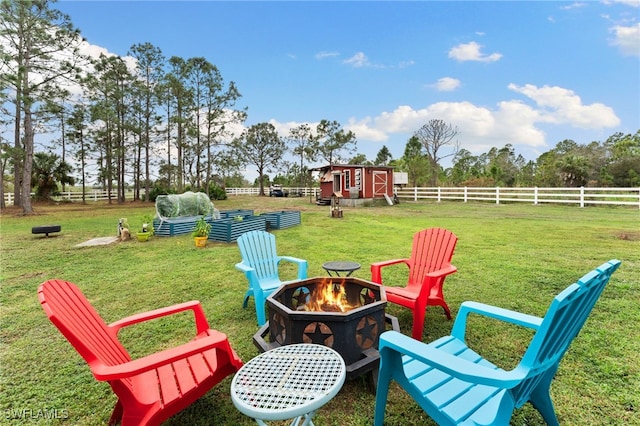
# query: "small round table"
[[288, 382], [340, 266]]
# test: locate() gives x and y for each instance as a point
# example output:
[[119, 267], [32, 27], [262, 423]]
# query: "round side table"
[[340, 266], [288, 382]]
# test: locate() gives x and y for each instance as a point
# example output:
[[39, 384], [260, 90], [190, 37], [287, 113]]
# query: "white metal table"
[[288, 382], [340, 266]]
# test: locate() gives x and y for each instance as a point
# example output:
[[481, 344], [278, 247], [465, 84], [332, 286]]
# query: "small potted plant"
[[147, 229], [147, 224], [201, 232]]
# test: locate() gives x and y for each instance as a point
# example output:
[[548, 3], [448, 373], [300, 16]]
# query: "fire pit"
[[345, 314]]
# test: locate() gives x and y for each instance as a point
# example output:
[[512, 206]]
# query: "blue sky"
[[526, 73]]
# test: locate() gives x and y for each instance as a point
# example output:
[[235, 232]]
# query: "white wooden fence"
[[293, 192], [581, 196], [76, 196], [578, 196]]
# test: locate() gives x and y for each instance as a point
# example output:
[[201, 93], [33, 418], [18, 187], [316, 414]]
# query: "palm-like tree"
[[49, 171], [573, 170]]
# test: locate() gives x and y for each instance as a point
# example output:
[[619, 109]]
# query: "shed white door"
[[379, 183]]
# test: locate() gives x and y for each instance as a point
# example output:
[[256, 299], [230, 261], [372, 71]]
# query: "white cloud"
[[402, 120], [405, 64], [283, 128], [363, 130], [563, 106], [323, 55], [627, 39], [632, 3], [576, 5], [478, 121], [358, 60], [480, 128], [471, 52], [516, 122], [446, 84]]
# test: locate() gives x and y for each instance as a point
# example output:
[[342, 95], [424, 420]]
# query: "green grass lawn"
[[512, 255]]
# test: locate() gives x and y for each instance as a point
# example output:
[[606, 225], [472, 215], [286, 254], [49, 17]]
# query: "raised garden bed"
[[230, 214], [177, 226], [228, 230], [282, 219]]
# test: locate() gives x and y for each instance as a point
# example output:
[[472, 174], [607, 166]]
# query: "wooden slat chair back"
[[432, 250], [429, 265], [457, 386], [149, 389], [258, 249], [562, 323], [260, 263]]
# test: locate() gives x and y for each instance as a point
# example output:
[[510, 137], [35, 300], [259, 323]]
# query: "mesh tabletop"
[[288, 381], [340, 266]]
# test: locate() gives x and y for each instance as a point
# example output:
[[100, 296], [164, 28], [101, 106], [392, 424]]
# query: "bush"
[[216, 192], [159, 190]]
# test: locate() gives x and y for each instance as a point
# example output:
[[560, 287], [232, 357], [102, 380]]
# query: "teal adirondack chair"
[[457, 386], [260, 265]]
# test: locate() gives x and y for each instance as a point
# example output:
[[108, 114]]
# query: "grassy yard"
[[515, 256]]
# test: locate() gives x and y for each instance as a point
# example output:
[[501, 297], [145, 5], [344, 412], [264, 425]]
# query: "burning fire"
[[328, 296]]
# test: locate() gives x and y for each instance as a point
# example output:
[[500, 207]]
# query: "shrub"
[[216, 192]]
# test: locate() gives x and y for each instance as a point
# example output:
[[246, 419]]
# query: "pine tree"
[[33, 36]]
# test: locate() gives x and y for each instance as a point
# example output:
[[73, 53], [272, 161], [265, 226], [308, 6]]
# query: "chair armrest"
[[156, 360], [443, 272], [513, 317], [194, 305], [302, 265], [455, 366], [376, 274], [249, 272], [244, 268]]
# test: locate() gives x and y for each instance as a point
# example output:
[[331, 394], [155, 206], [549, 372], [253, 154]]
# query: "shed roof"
[[366, 166]]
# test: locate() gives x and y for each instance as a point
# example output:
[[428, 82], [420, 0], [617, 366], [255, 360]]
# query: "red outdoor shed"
[[354, 183]]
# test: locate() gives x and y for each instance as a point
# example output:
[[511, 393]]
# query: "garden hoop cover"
[[189, 204]]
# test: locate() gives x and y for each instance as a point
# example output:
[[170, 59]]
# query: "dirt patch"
[[628, 235]]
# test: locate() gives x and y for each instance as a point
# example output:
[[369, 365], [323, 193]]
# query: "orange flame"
[[328, 296]]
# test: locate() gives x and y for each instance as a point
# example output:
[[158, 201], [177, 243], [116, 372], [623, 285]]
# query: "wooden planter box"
[[175, 226], [282, 219], [230, 214], [229, 230]]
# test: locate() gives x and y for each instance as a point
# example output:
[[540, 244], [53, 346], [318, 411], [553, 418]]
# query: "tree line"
[[172, 124], [614, 162], [124, 120], [120, 122]]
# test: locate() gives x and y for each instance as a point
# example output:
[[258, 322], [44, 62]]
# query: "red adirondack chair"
[[429, 264], [152, 388]]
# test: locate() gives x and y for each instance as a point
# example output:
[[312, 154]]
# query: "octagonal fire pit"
[[344, 313]]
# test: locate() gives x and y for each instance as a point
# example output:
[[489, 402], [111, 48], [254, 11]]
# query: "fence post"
[[415, 193], [465, 194], [535, 196], [439, 194], [582, 196], [497, 195]]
